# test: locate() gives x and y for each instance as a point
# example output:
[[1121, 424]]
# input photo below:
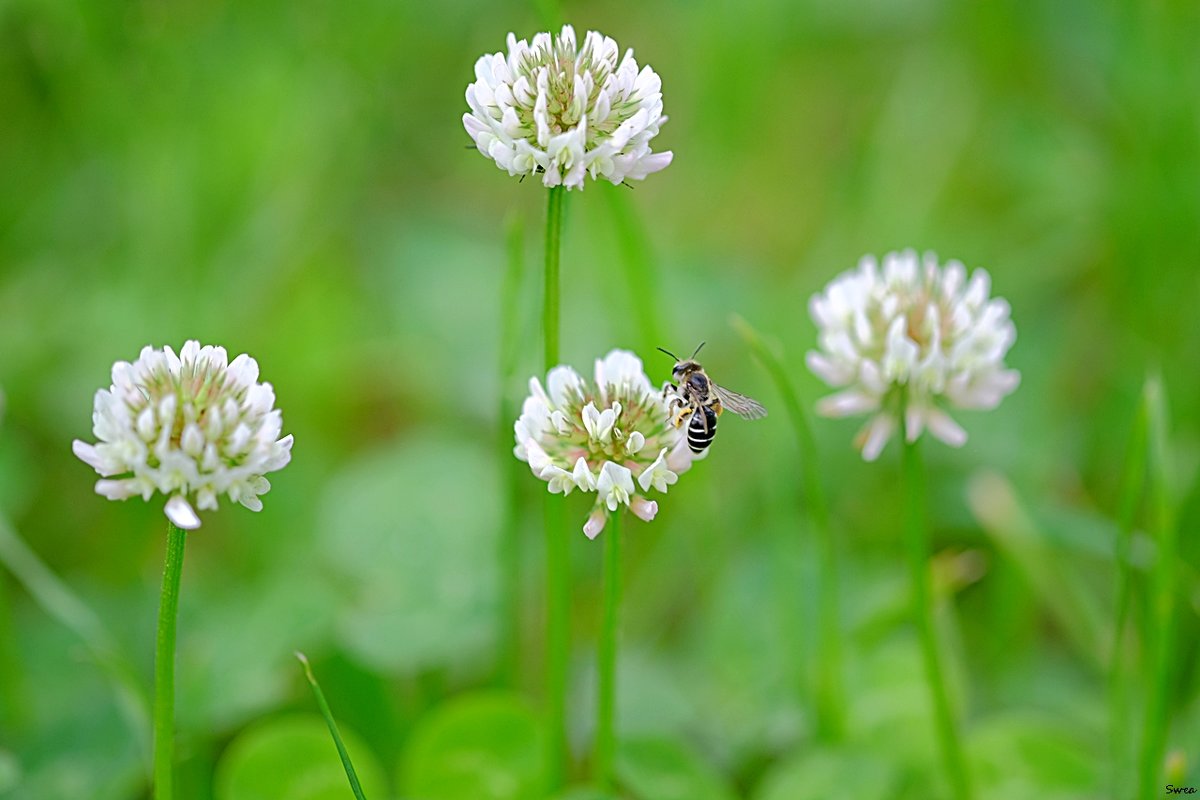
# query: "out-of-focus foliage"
[[292, 180]]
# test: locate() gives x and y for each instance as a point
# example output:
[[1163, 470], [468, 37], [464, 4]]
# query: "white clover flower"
[[193, 426], [911, 336], [566, 111], [610, 437]]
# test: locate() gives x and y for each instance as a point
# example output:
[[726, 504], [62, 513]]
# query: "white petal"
[[565, 385], [595, 523], [943, 427], [914, 421], [180, 512], [876, 435], [583, 476], [847, 403], [87, 453], [644, 509]]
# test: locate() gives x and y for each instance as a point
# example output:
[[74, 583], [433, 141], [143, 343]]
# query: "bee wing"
[[739, 404]]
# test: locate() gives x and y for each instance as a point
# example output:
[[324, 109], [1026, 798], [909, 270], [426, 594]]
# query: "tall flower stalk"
[[606, 667], [193, 427], [164, 667], [916, 545], [565, 111], [611, 436], [903, 342], [558, 554], [830, 695]]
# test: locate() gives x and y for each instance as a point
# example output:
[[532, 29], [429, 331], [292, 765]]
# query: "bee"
[[700, 400]]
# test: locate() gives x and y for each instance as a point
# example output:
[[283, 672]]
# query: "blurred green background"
[[292, 180]]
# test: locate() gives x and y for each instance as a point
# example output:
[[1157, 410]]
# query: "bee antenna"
[[698, 349], [668, 352]]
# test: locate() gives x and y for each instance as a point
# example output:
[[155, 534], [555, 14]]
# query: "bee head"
[[682, 368]]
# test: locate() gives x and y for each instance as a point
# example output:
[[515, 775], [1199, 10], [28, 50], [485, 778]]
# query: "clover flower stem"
[[558, 583], [550, 299], [558, 639], [916, 536], [830, 700], [1120, 670], [164, 667], [508, 666], [637, 261], [606, 738], [323, 705], [1162, 617]]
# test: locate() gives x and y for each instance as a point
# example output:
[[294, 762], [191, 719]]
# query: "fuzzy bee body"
[[698, 399]]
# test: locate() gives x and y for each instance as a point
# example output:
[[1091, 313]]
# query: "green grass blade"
[[1162, 613], [637, 262], [830, 698], [1121, 671], [508, 659], [351, 775], [995, 504]]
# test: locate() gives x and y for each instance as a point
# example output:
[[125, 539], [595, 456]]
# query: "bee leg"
[[669, 388], [681, 415], [716, 406]]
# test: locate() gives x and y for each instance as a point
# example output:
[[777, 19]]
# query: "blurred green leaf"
[[663, 769], [293, 758], [823, 774], [82, 746], [486, 746], [10, 771], [1075, 607], [586, 793], [236, 644], [889, 700], [1035, 752], [412, 532]]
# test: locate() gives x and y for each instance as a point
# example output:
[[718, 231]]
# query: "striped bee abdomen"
[[702, 427]]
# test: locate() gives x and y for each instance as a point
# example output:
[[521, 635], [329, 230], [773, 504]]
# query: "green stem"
[[322, 704], [830, 702], [164, 667], [1162, 614], [558, 586], [508, 661], [550, 296], [606, 739], [1120, 673], [916, 534]]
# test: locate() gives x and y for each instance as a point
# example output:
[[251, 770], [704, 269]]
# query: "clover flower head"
[[192, 426], [612, 436], [914, 338], [566, 111]]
